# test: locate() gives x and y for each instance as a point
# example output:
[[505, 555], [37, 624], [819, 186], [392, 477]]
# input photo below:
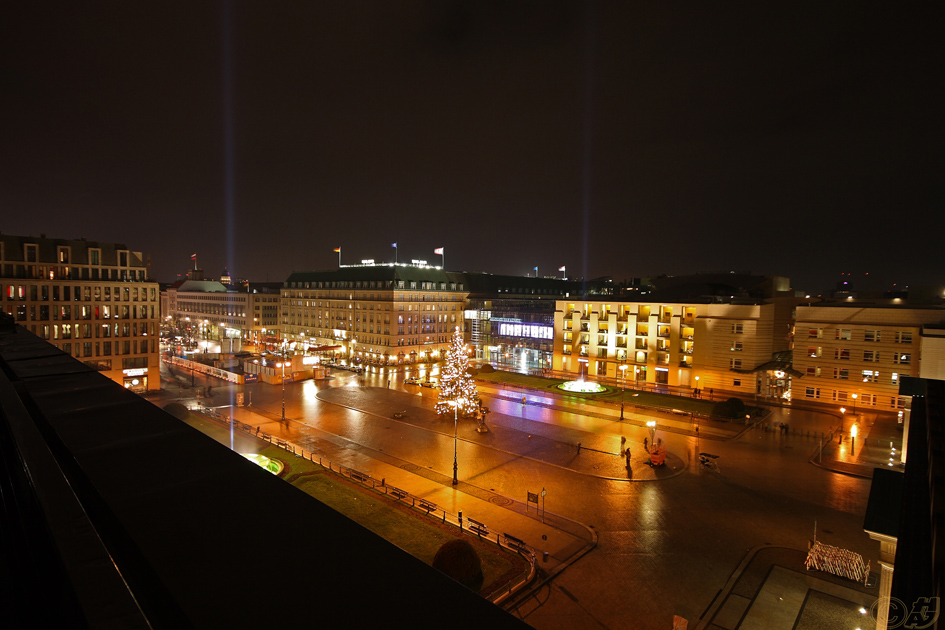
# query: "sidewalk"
[[878, 443]]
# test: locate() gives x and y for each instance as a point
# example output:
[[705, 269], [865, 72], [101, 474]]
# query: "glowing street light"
[[853, 440], [623, 387], [854, 396]]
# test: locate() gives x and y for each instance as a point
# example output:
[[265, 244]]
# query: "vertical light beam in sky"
[[229, 192], [590, 43]]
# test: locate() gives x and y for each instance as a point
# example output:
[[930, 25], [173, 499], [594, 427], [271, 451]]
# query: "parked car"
[[428, 383], [413, 380]]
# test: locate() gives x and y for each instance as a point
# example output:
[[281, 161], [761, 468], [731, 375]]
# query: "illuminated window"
[[737, 346], [903, 358], [841, 353], [815, 333], [813, 371], [870, 376], [844, 333]]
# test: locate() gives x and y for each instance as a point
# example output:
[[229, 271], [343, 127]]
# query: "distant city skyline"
[[615, 140]]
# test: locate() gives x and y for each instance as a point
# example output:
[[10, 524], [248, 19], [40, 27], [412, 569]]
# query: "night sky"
[[612, 138]]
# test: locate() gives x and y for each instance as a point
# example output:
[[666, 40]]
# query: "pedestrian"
[[697, 430], [628, 457], [388, 383], [646, 445], [524, 400]]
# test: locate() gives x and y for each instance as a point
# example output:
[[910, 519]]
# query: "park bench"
[[397, 493], [478, 528], [426, 505]]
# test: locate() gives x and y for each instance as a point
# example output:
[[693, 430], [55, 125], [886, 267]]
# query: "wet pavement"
[[673, 541]]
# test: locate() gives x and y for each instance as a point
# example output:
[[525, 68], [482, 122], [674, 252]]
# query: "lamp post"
[[854, 396], [697, 387], [455, 404], [843, 411], [623, 387], [283, 380], [853, 440]]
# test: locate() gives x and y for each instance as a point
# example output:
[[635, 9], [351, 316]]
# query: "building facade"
[[229, 316], [381, 314], [91, 300], [855, 353], [709, 346]]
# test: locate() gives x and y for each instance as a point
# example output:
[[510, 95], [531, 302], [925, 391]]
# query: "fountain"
[[272, 465], [582, 387]]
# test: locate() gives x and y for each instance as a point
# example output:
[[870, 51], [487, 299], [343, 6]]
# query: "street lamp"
[[283, 380], [853, 440], [623, 387], [455, 404], [854, 396], [697, 387]]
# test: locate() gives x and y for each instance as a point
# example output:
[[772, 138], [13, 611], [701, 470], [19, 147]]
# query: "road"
[[664, 546]]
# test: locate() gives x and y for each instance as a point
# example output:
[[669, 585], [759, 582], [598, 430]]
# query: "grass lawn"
[[418, 535]]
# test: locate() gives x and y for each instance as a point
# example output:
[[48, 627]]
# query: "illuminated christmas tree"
[[455, 382]]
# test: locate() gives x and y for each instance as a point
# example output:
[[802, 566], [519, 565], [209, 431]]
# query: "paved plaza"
[[725, 550]]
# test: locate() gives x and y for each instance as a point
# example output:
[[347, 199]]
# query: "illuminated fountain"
[[272, 465], [582, 387]]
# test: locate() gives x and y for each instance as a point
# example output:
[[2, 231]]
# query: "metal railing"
[[501, 591]]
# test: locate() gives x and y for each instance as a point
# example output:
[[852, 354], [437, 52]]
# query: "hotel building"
[[384, 314], [91, 300]]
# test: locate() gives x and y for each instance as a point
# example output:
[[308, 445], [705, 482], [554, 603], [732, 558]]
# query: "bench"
[[516, 543], [359, 476], [426, 505], [397, 493], [478, 528]]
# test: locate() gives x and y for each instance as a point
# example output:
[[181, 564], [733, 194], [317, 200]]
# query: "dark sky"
[[613, 138]]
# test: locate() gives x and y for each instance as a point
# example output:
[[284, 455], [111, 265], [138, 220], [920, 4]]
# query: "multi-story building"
[[510, 319], [385, 314], [231, 316], [91, 300], [855, 352], [680, 336]]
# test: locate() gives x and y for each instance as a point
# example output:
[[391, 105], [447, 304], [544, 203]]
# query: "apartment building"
[[91, 300], [856, 353], [384, 314]]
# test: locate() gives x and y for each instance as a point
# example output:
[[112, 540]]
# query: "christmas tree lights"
[[455, 382]]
